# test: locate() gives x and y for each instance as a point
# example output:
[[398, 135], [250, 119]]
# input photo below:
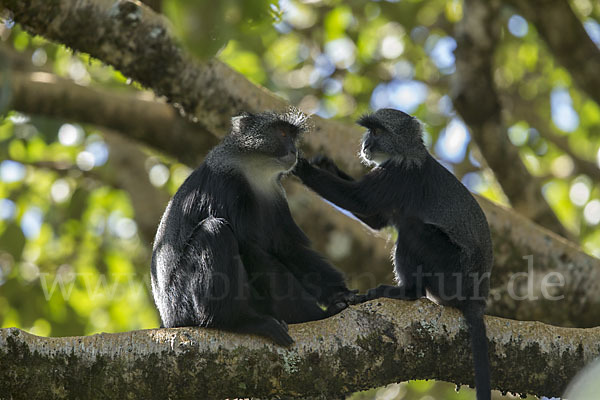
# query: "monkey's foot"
[[274, 329]]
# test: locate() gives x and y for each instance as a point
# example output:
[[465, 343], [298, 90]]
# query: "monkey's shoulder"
[[444, 186]]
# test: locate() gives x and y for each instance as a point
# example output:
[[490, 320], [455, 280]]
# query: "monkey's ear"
[[239, 122], [369, 121], [365, 120]]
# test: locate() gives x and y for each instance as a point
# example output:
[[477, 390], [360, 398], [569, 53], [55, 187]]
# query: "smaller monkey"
[[444, 248], [227, 252]]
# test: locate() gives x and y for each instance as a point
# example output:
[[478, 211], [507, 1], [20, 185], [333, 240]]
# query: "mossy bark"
[[366, 346]]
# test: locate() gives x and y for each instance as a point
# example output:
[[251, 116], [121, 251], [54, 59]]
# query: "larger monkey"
[[444, 249], [228, 254]]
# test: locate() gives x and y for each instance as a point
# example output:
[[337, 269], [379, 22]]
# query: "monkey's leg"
[[447, 282], [217, 285], [319, 278], [409, 272], [286, 298]]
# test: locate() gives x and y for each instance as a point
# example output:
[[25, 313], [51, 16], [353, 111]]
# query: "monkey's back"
[[454, 209], [436, 197]]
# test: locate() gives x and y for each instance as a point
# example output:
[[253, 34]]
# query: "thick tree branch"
[[366, 346], [564, 34], [562, 284], [521, 110], [145, 120], [476, 100]]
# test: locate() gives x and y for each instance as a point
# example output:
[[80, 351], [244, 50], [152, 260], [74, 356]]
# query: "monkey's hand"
[[327, 164], [342, 300], [302, 168]]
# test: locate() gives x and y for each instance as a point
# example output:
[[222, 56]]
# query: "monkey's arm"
[[324, 163], [362, 198], [317, 275], [327, 164], [292, 291]]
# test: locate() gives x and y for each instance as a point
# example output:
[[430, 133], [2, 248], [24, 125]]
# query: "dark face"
[[268, 139], [373, 146], [390, 134], [284, 138]]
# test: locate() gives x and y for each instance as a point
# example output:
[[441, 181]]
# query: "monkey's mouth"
[[372, 158], [365, 153], [288, 161]]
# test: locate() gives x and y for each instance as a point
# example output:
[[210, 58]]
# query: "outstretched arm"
[[324, 163], [366, 197], [327, 164]]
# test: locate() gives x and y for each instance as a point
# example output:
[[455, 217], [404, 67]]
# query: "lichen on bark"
[[366, 346]]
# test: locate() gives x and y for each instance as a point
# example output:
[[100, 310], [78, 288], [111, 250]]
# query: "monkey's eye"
[[283, 134]]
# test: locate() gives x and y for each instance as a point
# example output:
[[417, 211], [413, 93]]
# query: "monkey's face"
[[373, 146], [391, 134], [283, 151], [269, 138]]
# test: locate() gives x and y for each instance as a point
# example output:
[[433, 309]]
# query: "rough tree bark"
[[520, 247], [366, 346], [216, 92]]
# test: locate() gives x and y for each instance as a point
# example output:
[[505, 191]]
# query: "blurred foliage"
[[71, 259], [204, 27]]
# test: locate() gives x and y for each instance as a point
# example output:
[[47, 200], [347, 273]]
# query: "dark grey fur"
[[444, 249], [228, 254]]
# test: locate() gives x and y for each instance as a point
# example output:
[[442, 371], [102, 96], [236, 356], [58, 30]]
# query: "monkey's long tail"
[[481, 363]]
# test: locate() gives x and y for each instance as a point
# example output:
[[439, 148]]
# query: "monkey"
[[227, 253], [444, 249]]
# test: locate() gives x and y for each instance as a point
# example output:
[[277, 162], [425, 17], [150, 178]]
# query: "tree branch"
[[366, 346], [476, 100], [145, 120], [518, 109], [573, 301], [564, 34]]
